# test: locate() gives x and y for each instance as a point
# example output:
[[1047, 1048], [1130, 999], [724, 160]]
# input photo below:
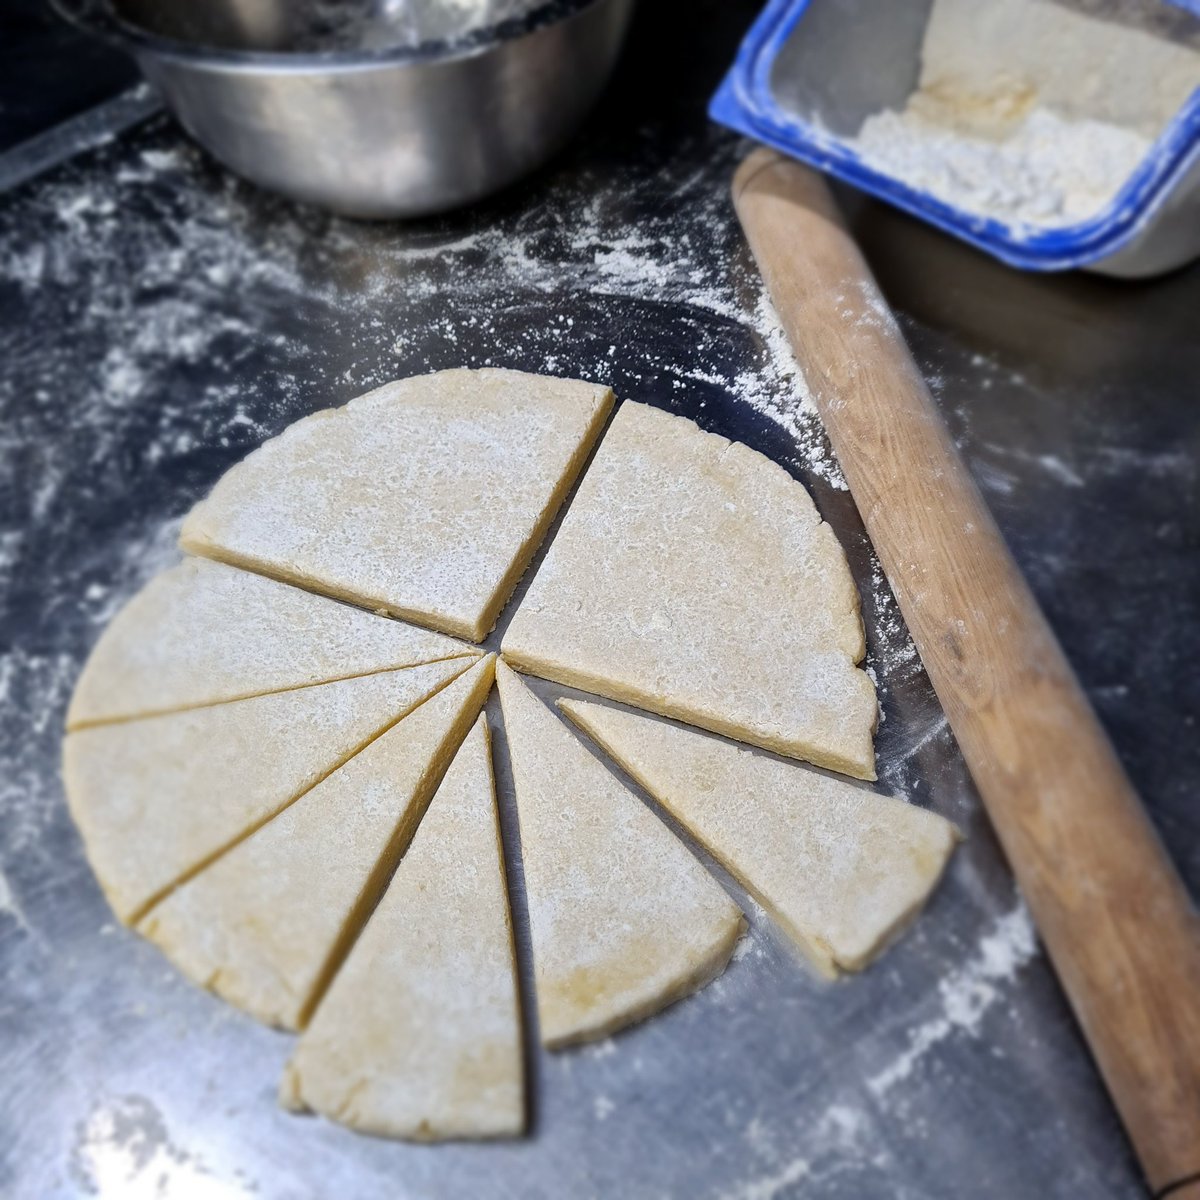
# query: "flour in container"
[[1035, 112]]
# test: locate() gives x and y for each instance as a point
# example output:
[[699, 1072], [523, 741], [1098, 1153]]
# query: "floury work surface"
[[158, 320]]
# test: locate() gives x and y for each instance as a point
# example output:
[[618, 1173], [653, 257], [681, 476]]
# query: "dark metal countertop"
[[49, 72], [158, 319]]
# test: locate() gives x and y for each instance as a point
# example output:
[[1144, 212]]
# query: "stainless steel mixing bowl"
[[368, 133]]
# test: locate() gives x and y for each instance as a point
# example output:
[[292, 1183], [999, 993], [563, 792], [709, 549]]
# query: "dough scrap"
[[267, 924], [693, 577], [157, 799], [203, 633], [424, 499], [841, 868], [623, 918], [419, 1035]]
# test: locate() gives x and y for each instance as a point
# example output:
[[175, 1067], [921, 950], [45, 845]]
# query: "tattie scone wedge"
[[623, 918], [841, 868], [157, 799], [424, 499], [267, 924], [206, 633], [420, 1035], [693, 577]]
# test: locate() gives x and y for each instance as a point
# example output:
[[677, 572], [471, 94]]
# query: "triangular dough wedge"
[[204, 633], [693, 577], [624, 919], [424, 499], [419, 1035], [156, 800], [841, 868], [267, 924]]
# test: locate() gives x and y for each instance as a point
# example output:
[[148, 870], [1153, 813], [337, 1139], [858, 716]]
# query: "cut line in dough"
[[693, 577], [419, 1035], [424, 499], [623, 918], [156, 800], [841, 868], [267, 925], [205, 633]]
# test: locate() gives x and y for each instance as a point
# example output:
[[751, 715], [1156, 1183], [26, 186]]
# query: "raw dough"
[[425, 498], [841, 868], [623, 918], [203, 633], [157, 799], [267, 925], [694, 578], [419, 1035]]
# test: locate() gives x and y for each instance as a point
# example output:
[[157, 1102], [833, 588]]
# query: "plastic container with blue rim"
[[810, 72]]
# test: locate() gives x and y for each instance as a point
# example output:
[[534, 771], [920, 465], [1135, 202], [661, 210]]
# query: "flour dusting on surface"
[[966, 995], [9, 904]]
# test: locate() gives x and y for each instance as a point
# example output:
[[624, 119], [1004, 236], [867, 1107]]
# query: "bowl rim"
[[99, 18]]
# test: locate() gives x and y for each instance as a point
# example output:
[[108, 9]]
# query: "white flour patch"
[[842, 1132], [924, 736], [775, 1184], [1051, 465], [9, 905], [866, 308], [893, 651], [10, 545], [747, 945], [1049, 171], [125, 1149], [605, 1048], [966, 995], [35, 686], [144, 555], [1059, 470]]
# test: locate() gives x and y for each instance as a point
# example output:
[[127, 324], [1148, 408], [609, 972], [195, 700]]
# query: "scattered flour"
[[34, 688], [124, 1148], [10, 905], [966, 995], [842, 1133]]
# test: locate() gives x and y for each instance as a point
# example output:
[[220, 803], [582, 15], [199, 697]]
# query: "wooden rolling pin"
[[1110, 908]]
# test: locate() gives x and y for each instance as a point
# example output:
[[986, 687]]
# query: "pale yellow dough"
[[693, 577], [267, 924], [841, 868], [424, 499], [623, 918], [419, 1035], [157, 799], [204, 633]]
